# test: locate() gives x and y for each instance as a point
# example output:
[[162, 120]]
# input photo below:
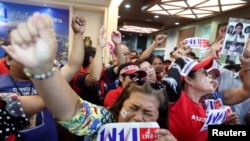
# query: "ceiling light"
[[209, 3], [192, 3], [203, 15], [227, 2], [138, 29], [192, 8], [214, 8], [199, 11], [143, 28], [188, 16], [127, 6], [186, 12], [177, 23], [160, 12], [178, 3], [173, 12], [156, 16], [168, 7], [228, 7], [155, 7]]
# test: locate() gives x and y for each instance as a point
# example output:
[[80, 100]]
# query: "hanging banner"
[[11, 14]]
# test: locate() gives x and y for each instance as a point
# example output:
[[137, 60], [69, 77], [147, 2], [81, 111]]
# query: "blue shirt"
[[45, 129]]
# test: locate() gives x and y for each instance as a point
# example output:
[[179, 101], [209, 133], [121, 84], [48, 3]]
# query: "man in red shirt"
[[4, 64]]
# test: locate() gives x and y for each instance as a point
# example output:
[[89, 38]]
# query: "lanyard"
[[14, 82]]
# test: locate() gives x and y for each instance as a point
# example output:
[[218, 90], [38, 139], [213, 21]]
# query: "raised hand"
[[102, 39], [34, 43], [215, 49], [78, 24], [233, 119], [116, 37], [182, 44], [160, 38], [182, 52], [245, 60]]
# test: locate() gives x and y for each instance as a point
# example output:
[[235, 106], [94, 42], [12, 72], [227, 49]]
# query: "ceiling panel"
[[171, 12]]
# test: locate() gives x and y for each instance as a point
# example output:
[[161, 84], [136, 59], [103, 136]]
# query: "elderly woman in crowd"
[[188, 81], [35, 47]]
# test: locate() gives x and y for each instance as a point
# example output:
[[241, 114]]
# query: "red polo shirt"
[[186, 120], [112, 96], [3, 68]]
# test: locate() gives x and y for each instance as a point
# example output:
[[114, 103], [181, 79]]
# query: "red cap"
[[193, 65], [207, 63], [215, 68], [130, 69]]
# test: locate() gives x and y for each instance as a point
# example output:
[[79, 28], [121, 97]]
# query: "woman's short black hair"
[[89, 52]]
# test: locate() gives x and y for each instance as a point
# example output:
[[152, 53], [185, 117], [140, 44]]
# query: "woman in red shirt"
[[126, 72]]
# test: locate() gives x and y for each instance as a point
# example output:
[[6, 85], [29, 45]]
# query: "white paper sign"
[[216, 116], [236, 37], [188, 66], [213, 104], [129, 131], [197, 42]]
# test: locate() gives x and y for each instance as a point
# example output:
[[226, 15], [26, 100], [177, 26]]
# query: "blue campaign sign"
[[128, 131], [11, 14]]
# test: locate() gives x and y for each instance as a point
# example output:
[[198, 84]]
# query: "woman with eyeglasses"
[[126, 72], [142, 103], [186, 82]]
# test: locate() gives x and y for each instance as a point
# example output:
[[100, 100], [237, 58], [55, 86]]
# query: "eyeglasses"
[[133, 76], [204, 72], [154, 85], [213, 77]]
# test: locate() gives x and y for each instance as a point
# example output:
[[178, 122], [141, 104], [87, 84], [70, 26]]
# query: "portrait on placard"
[[236, 37]]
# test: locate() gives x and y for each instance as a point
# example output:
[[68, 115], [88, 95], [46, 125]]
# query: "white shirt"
[[237, 37]]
